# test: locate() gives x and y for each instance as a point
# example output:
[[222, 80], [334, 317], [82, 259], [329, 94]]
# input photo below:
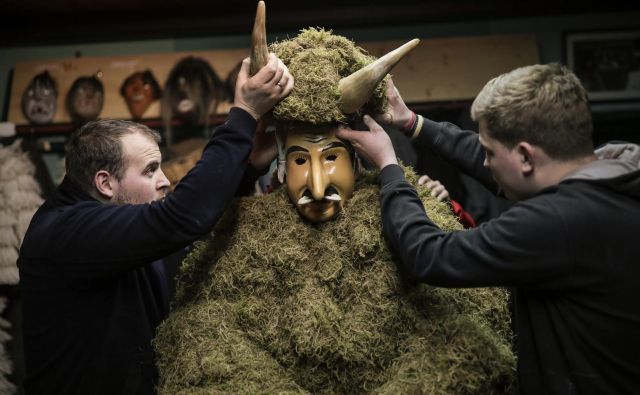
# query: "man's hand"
[[265, 148], [258, 94], [374, 144], [397, 114], [438, 190]]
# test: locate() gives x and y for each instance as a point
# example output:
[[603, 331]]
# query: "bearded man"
[[92, 290]]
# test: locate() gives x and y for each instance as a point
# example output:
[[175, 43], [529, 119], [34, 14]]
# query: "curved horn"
[[357, 88], [259, 51]]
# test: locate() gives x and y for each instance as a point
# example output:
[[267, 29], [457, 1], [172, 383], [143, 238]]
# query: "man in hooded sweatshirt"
[[569, 246]]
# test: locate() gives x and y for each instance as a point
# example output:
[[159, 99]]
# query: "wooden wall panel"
[[444, 69]]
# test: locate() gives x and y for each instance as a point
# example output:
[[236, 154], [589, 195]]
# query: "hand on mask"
[[374, 144], [258, 94]]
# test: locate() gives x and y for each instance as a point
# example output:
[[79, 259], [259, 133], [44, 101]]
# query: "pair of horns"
[[355, 89]]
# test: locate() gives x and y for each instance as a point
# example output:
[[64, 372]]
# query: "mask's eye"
[[332, 157], [300, 160]]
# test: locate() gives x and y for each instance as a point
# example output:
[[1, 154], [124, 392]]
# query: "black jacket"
[[571, 252], [92, 294]]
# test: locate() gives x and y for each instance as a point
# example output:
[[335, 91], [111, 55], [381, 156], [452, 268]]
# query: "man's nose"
[[317, 181], [163, 181]]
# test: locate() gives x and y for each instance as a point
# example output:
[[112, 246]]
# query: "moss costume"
[[272, 304]]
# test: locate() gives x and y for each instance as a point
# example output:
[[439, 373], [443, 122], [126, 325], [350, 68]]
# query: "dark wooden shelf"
[[27, 130]]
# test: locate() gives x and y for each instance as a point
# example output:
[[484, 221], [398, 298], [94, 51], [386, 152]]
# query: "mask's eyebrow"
[[296, 148], [335, 144], [314, 138]]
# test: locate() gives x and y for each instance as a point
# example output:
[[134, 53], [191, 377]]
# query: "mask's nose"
[[317, 180]]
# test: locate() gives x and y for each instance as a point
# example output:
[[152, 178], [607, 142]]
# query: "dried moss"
[[272, 304], [318, 59]]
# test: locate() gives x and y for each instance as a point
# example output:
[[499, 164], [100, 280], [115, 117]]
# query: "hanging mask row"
[[191, 94]]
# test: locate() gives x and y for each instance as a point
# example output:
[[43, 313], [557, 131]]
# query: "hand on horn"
[[397, 114], [258, 94]]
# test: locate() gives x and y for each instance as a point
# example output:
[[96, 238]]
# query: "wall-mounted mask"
[[191, 93], [320, 170], [39, 100], [139, 90], [85, 99]]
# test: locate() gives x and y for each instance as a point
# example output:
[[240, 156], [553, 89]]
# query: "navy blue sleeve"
[[95, 240], [497, 253]]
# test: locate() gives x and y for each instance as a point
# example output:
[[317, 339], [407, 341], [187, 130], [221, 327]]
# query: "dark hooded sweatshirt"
[[572, 253], [92, 294]]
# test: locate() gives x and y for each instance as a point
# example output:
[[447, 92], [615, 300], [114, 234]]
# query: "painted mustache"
[[330, 194]]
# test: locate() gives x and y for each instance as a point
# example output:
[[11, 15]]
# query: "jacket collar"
[[69, 193]]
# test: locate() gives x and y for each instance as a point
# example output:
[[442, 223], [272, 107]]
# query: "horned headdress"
[[334, 78]]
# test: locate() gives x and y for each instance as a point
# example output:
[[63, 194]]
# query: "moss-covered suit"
[[273, 304]]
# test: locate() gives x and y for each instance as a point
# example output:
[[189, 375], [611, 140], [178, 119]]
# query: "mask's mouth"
[[39, 109], [331, 194], [186, 106], [137, 97]]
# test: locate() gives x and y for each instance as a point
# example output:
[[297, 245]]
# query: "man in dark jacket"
[[569, 245], [93, 292]]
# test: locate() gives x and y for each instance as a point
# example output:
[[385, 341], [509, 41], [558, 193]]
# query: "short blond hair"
[[545, 105]]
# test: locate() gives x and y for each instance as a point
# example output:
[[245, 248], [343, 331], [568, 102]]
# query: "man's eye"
[[149, 171], [332, 157], [300, 160]]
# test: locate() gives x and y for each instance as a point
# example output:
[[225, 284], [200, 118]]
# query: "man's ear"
[[527, 155], [104, 183]]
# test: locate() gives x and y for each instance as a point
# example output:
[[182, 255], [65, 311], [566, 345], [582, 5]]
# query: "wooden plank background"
[[446, 69], [442, 69]]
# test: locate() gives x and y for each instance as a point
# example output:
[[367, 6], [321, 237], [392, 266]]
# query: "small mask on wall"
[[191, 93], [139, 90], [85, 99], [39, 100]]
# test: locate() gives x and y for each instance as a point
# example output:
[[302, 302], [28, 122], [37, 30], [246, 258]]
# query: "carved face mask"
[[39, 99], [320, 175], [85, 99], [139, 90], [192, 91]]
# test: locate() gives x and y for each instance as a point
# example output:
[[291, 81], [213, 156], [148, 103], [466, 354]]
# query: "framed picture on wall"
[[607, 62]]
